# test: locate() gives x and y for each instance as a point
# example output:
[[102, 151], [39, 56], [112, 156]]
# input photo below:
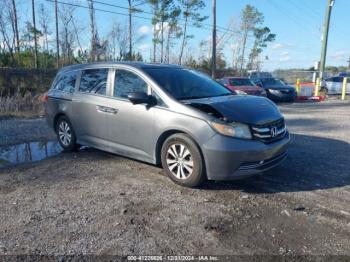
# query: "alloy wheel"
[[179, 160], [65, 133]]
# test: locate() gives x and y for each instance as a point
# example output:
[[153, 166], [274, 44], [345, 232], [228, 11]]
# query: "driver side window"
[[127, 82]]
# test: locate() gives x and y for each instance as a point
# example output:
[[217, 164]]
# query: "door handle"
[[101, 109], [108, 110], [112, 110]]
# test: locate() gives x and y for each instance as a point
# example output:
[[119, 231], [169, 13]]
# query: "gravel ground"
[[92, 202]]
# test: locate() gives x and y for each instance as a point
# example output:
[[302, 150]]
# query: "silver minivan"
[[169, 115]]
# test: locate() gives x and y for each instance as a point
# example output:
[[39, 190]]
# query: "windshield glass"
[[241, 82], [272, 82], [183, 83]]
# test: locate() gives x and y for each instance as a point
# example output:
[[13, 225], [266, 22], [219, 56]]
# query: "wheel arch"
[[57, 116], [168, 133]]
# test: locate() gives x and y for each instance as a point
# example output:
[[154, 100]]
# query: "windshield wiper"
[[191, 97], [199, 97]]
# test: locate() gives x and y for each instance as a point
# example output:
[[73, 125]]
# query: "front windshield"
[[241, 82], [184, 84], [272, 82]]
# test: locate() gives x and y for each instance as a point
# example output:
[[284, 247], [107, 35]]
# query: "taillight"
[[45, 98]]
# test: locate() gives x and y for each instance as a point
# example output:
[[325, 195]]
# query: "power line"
[[140, 3], [203, 26], [150, 13], [344, 35], [286, 14]]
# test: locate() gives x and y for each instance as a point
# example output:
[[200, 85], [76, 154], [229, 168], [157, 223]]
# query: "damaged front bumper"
[[229, 158]]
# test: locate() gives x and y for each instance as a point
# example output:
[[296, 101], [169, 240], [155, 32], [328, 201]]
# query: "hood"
[[289, 88], [248, 88], [245, 109], [245, 88]]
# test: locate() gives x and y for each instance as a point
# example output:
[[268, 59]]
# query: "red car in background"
[[243, 84]]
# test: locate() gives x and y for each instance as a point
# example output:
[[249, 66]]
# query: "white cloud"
[[144, 30], [277, 46], [339, 55], [284, 57]]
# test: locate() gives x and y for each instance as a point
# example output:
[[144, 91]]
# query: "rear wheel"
[[182, 161], [65, 134]]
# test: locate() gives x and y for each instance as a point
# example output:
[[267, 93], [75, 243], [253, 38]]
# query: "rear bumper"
[[230, 159]]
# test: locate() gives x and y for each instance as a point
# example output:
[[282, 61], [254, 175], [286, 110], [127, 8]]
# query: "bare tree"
[[15, 22], [7, 38], [119, 42], [66, 13], [93, 30], [44, 20]]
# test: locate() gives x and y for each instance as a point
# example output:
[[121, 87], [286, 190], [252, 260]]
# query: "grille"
[[270, 132]]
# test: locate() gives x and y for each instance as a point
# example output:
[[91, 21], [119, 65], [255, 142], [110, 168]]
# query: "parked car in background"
[[243, 84], [344, 74], [334, 85], [277, 90], [256, 75], [193, 126]]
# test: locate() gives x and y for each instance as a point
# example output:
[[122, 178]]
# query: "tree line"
[[54, 39]]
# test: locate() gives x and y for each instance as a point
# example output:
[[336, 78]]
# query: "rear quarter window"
[[66, 82]]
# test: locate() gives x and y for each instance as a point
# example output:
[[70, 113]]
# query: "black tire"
[[177, 168], [324, 90], [66, 144]]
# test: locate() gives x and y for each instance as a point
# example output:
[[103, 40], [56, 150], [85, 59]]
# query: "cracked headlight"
[[232, 129]]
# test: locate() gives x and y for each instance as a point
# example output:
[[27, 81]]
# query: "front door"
[[131, 127]]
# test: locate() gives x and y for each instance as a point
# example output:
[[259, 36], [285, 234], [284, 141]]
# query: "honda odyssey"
[[177, 117]]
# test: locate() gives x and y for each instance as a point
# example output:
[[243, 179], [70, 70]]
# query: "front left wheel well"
[[164, 137], [161, 141]]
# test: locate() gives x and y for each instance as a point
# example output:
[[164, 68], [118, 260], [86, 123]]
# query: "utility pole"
[[213, 56], [35, 39], [57, 39], [330, 4], [349, 63], [130, 31]]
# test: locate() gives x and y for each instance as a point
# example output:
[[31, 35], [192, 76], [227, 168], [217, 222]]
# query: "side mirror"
[[139, 98]]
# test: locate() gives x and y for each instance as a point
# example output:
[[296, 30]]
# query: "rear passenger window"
[[94, 81], [66, 82], [127, 82]]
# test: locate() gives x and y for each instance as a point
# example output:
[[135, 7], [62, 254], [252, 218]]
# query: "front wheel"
[[182, 161], [324, 91], [65, 134]]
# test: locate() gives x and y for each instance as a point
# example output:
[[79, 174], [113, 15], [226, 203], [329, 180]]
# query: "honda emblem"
[[273, 131]]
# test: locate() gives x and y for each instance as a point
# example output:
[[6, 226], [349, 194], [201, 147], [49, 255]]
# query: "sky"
[[298, 25]]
